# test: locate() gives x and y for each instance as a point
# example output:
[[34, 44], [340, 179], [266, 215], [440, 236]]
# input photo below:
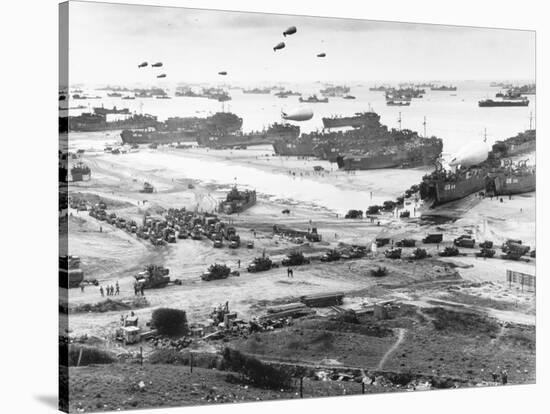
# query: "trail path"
[[400, 337]]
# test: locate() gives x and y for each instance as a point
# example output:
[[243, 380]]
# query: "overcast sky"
[[108, 41]]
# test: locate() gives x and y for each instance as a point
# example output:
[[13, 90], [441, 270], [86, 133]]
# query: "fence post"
[[301, 387], [79, 357], [362, 387], [141, 355]]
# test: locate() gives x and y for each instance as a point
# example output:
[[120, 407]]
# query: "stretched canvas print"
[[258, 207]]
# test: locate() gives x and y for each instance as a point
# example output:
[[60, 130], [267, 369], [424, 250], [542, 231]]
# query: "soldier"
[[504, 376], [239, 263], [101, 291], [117, 289], [142, 289], [82, 287]]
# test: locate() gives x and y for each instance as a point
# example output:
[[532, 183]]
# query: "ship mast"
[[424, 123], [399, 121]]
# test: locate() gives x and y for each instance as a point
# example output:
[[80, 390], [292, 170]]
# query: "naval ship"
[[237, 201], [357, 120], [371, 145], [496, 175], [271, 135], [187, 129], [93, 122]]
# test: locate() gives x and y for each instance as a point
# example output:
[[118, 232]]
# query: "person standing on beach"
[[101, 291]]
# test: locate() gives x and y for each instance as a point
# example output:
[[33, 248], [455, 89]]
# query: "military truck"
[[449, 252], [406, 243], [216, 271], [331, 256], [464, 241], [394, 253], [295, 259], [260, 264], [487, 244], [382, 241], [433, 238], [153, 277], [485, 252]]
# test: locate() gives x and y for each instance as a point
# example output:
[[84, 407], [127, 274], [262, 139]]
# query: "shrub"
[[169, 356], [256, 371], [170, 322], [90, 355]]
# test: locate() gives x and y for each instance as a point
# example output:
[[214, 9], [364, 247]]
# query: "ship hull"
[[157, 137], [288, 149], [508, 185], [451, 191], [494, 104]]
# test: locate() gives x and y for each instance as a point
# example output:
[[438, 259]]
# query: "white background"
[[28, 202]]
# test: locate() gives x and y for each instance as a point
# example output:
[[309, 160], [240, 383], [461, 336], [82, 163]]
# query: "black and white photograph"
[[260, 206]]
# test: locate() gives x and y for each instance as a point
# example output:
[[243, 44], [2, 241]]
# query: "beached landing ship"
[[495, 175], [237, 201], [187, 129], [91, 122], [357, 120], [271, 135], [371, 145]]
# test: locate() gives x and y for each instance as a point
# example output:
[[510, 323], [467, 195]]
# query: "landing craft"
[[157, 65], [298, 114], [222, 73], [142, 65], [163, 75], [472, 154], [291, 30], [321, 55], [279, 46]]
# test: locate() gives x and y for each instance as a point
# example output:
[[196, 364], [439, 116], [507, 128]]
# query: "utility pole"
[[424, 123], [531, 120]]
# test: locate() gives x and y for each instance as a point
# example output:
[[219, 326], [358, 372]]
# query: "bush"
[[169, 356], [170, 322], [90, 355], [256, 371]]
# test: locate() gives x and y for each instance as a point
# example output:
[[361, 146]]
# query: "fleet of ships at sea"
[[366, 145]]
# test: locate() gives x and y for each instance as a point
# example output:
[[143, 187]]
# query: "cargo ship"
[[412, 153], [80, 172], [490, 103], [522, 143], [313, 99], [286, 94], [443, 88], [370, 145], [357, 120], [404, 94], [237, 201], [334, 91], [379, 88], [114, 95], [106, 111], [258, 91], [185, 129], [392, 102], [89, 122], [274, 133]]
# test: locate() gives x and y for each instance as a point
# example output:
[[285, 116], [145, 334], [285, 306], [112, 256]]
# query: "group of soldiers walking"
[[110, 290]]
